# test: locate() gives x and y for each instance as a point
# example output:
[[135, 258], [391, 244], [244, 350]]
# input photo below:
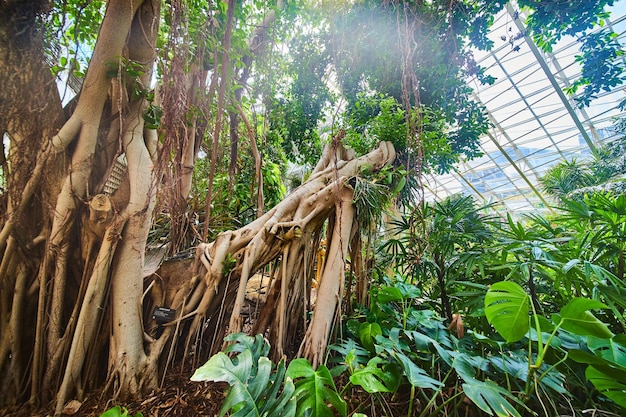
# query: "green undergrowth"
[[398, 359]]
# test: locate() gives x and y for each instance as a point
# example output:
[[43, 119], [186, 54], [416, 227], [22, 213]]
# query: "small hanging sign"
[[163, 315]]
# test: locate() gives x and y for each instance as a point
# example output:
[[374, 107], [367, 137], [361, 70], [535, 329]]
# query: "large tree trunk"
[[71, 247], [28, 127], [124, 261]]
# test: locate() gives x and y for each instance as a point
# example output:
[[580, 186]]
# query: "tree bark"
[[330, 289], [27, 120]]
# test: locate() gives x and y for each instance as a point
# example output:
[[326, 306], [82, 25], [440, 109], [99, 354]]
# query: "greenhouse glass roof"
[[535, 125]]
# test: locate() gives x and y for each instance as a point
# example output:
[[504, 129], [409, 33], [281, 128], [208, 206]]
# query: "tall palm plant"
[[574, 179], [438, 243], [601, 220], [600, 223], [531, 253]]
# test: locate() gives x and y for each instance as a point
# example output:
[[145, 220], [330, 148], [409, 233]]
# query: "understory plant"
[[438, 246], [398, 348], [257, 387], [510, 310], [399, 351]]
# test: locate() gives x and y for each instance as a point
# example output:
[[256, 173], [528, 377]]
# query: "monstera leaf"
[[416, 375], [378, 376], [367, 334], [254, 388], [576, 318], [607, 366], [506, 308], [315, 390], [606, 383], [491, 398]]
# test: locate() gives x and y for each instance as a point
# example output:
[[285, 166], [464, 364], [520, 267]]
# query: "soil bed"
[[179, 397]]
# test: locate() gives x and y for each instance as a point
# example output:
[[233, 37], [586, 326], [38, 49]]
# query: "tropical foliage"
[[155, 129], [537, 325], [572, 179]]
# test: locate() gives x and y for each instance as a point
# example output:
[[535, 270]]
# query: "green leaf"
[[368, 333], [607, 385], [545, 325], [220, 368], [575, 317], [253, 389], [283, 404], [240, 342], [465, 365], [389, 294], [612, 350], [315, 390], [422, 343], [378, 376], [352, 353], [416, 375], [506, 308], [515, 364], [491, 398], [485, 340], [112, 412], [617, 371]]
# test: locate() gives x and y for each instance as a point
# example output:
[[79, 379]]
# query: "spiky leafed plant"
[[437, 244], [565, 177], [603, 172]]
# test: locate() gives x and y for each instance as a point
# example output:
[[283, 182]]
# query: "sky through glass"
[[535, 125]]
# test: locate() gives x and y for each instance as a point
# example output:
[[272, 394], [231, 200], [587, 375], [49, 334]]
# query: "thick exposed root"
[[289, 236]]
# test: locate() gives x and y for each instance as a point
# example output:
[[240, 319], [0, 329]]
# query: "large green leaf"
[[389, 294], [491, 398], [273, 404], [575, 317], [607, 385], [515, 364], [367, 334], [423, 343], [465, 365], [378, 376], [220, 368], [253, 389], [238, 342], [613, 350], [607, 368], [616, 371], [315, 390], [506, 308]]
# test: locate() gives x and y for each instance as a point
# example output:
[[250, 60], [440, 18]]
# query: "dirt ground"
[[179, 397]]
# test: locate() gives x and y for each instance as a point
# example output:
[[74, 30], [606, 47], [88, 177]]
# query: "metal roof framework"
[[535, 124]]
